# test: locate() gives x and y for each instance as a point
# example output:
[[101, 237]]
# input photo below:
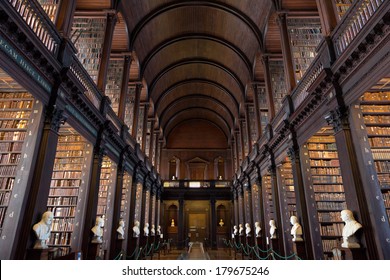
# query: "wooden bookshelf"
[[50, 7], [141, 116], [16, 109], [267, 185], [105, 200], [252, 123], [278, 82], [286, 183], [114, 81], [88, 38], [305, 35], [263, 107], [129, 109], [68, 189], [138, 202], [376, 116], [327, 188], [341, 7], [126, 196]]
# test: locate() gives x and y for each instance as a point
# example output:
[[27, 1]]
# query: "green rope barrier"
[[120, 255], [139, 253]]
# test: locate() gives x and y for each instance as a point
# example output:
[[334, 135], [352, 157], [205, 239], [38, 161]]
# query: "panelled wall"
[[65, 143], [326, 148]]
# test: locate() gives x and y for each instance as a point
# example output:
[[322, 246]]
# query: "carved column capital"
[[338, 118], [56, 118]]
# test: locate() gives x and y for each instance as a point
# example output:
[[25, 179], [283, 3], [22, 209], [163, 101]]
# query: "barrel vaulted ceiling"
[[197, 59]]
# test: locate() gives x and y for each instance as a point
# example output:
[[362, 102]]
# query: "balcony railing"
[[36, 18], [353, 21]]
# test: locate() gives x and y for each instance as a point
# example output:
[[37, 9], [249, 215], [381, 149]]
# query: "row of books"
[[10, 158], [324, 163], [325, 171], [328, 188], [8, 170], [330, 196], [66, 174], [12, 135], [375, 108], [70, 154], [329, 217], [322, 179], [328, 245], [379, 141], [384, 180], [62, 200], [376, 96], [60, 238], [386, 198], [6, 183], [322, 146], [65, 183], [382, 166], [375, 130], [14, 114], [69, 166], [63, 192], [323, 154], [62, 211], [374, 119], [4, 198], [381, 154], [17, 124], [70, 147], [16, 104], [333, 206], [15, 95], [66, 224], [11, 146], [332, 230]]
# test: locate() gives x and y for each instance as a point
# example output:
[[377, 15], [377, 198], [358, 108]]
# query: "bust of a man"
[[136, 230], [296, 230], [258, 229], [272, 229], [159, 230], [152, 230], [146, 229], [221, 223], [235, 230], [42, 230], [248, 229], [240, 229], [98, 230], [121, 230], [349, 230]]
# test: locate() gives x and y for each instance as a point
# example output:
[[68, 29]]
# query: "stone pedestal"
[[299, 249]]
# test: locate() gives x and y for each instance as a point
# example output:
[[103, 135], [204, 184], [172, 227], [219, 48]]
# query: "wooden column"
[[145, 126], [36, 204], [257, 111], [92, 200], [353, 187], [263, 222], [106, 51], [137, 99], [64, 19], [277, 208], [151, 142], [133, 242], [301, 203], [327, 16], [115, 244], [248, 210], [235, 204], [124, 87], [237, 150], [156, 135], [241, 213], [286, 50], [248, 127], [268, 88], [233, 146], [242, 131]]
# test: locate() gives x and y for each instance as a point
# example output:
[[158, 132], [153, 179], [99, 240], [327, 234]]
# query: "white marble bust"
[[349, 230], [136, 230], [248, 229], [98, 230], [42, 230], [152, 231], [296, 230], [241, 229], [146, 229], [121, 230], [159, 230], [257, 229], [235, 230], [272, 229]]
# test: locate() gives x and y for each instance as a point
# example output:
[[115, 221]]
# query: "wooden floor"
[[196, 252]]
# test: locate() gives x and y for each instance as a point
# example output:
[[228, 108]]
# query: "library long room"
[[195, 130]]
